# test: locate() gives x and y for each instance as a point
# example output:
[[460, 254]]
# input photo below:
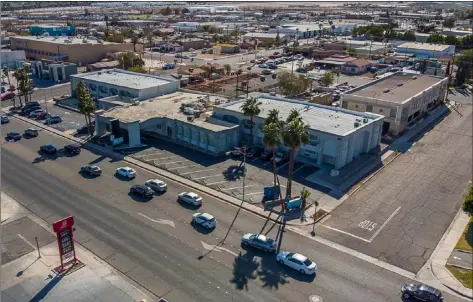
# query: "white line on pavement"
[[175, 168], [160, 221], [167, 157], [346, 233], [196, 171], [384, 224], [206, 176], [248, 194], [298, 169], [177, 162], [269, 162], [26, 241], [238, 187], [282, 166], [216, 183]]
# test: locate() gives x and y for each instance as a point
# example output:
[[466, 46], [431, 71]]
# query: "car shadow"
[[25, 136], [188, 205], [43, 156], [201, 229], [139, 198], [87, 175], [122, 178]]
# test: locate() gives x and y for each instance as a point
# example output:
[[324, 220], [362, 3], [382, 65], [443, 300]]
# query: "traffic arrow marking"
[[160, 221], [217, 248]]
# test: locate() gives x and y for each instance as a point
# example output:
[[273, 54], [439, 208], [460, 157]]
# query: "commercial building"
[[266, 38], [53, 30], [425, 50], [12, 59], [401, 98], [70, 49], [124, 84], [356, 66], [181, 117], [337, 135], [53, 71]]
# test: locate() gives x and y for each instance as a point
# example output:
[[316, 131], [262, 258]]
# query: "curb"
[[66, 107], [459, 266], [464, 251]]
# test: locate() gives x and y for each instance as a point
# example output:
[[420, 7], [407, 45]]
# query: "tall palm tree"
[[86, 104], [271, 140], [251, 108], [294, 135]]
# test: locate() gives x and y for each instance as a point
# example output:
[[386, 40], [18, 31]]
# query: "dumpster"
[[268, 192]]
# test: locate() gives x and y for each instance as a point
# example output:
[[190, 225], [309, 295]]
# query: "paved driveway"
[[400, 215]]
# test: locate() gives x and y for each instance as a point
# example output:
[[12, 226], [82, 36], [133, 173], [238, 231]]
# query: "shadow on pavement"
[[244, 270], [139, 198], [41, 295], [201, 229], [234, 172], [20, 273]]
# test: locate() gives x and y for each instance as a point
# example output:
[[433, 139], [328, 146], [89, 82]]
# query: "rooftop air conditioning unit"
[[357, 124], [365, 120], [386, 90]]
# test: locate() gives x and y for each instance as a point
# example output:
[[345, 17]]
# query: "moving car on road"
[[259, 241], [421, 292], [126, 172], [204, 219], [73, 149], [92, 170], [191, 198], [157, 185], [5, 119], [142, 190], [298, 262], [13, 136], [49, 149], [52, 120], [31, 132]]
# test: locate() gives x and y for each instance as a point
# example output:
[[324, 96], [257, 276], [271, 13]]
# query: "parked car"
[[169, 66], [421, 292], [34, 114], [266, 72], [185, 57], [5, 119], [49, 149], [142, 190], [31, 132], [92, 170], [191, 198], [27, 111], [13, 136], [8, 96], [157, 185], [204, 219], [73, 149], [52, 120], [273, 66], [253, 61], [43, 115], [255, 152], [297, 262], [178, 55], [263, 65], [126, 172], [259, 241]]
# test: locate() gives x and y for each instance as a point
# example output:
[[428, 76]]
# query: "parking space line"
[[216, 183], [298, 169], [203, 177], [385, 223], [248, 194], [176, 162], [346, 233], [176, 168], [148, 154], [282, 166], [196, 171], [269, 162], [26, 241], [238, 187], [167, 157]]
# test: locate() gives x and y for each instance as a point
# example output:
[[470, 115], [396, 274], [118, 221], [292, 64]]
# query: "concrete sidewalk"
[[434, 269], [32, 278]]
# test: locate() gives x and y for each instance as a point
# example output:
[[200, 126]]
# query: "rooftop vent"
[[414, 77], [357, 124], [365, 120], [190, 118], [400, 84], [386, 90]]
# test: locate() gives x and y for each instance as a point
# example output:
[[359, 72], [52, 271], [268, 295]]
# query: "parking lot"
[[226, 173]]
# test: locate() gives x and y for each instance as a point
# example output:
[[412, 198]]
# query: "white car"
[[191, 197], [156, 185], [5, 119], [126, 172], [298, 262], [204, 219]]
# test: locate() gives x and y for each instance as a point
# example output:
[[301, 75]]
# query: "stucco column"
[[63, 72], [99, 127], [321, 153], [134, 134], [55, 75]]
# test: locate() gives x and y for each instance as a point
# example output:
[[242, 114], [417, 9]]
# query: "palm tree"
[[294, 135], [148, 33], [18, 75], [251, 108], [86, 104], [304, 196], [6, 72], [271, 140]]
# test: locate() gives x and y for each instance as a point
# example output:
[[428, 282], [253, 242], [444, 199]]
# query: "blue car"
[[49, 149], [13, 136], [52, 120]]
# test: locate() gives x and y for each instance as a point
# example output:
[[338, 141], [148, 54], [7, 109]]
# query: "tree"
[[277, 40], [336, 72], [294, 134], [271, 140], [464, 62], [251, 109], [185, 10], [327, 79], [22, 77], [292, 84], [86, 104], [135, 39], [468, 203], [106, 23], [449, 23], [351, 51], [148, 33], [227, 68], [139, 69], [409, 36], [129, 59], [304, 196], [177, 11], [6, 72], [18, 76], [436, 38], [451, 40], [165, 11]]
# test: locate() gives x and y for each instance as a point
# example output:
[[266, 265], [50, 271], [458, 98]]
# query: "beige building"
[[76, 50], [403, 99]]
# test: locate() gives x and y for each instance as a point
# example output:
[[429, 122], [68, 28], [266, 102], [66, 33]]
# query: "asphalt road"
[[153, 243]]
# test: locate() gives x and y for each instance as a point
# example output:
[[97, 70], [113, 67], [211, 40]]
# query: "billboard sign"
[[65, 240]]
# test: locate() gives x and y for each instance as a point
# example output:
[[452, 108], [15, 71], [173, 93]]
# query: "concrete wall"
[[159, 90]]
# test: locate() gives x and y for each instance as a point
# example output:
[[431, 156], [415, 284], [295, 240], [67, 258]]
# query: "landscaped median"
[[465, 276]]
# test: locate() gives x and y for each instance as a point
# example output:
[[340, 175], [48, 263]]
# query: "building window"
[[356, 106], [380, 110], [344, 105], [369, 108], [93, 87]]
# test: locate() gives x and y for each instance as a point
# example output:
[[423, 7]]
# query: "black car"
[[30, 109], [30, 105], [31, 132], [142, 190], [92, 170], [49, 149], [421, 292], [73, 149], [13, 136]]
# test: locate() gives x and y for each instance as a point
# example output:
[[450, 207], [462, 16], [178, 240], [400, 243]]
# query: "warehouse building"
[[124, 84], [337, 136], [425, 50], [69, 49], [401, 98]]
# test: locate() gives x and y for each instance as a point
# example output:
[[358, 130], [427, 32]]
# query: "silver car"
[[157, 185], [259, 241]]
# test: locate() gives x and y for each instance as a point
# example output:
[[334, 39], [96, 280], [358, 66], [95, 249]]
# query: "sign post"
[[65, 240]]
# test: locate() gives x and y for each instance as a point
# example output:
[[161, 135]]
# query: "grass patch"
[[466, 240], [465, 276]]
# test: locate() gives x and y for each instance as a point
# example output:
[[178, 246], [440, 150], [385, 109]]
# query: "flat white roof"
[[62, 40], [424, 46], [327, 119], [123, 78]]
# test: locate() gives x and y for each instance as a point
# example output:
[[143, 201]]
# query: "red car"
[[8, 95], [43, 115], [271, 57]]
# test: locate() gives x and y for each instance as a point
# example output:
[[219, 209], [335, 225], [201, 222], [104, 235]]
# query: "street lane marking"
[[206, 176], [248, 194], [385, 223], [175, 168], [238, 187], [160, 221], [346, 233], [215, 183], [298, 169], [26, 241], [210, 247], [196, 171]]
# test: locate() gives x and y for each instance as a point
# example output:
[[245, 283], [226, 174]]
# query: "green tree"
[[277, 40], [449, 23], [336, 72], [148, 33], [227, 68], [294, 134], [305, 194], [292, 84], [351, 51], [129, 59], [327, 79], [464, 63], [165, 11], [436, 38], [451, 40], [86, 104], [135, 39], [468, 203], [409, 36], [22, 77], [251, 109], [139, 69]]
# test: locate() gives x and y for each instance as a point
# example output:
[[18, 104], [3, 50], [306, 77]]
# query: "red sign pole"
[[65, 239]]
